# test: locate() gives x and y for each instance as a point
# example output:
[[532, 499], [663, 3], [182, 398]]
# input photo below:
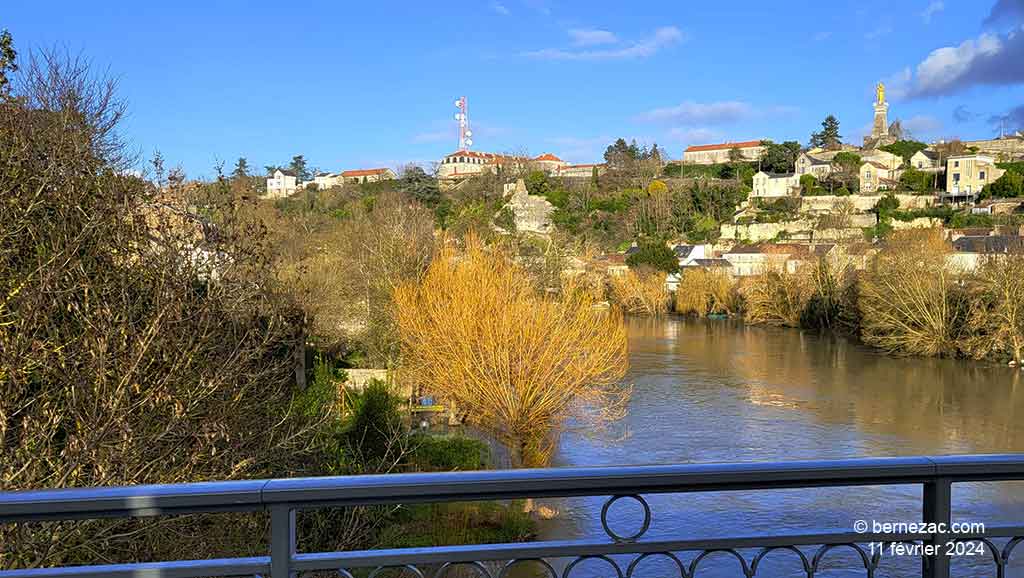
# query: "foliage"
[[418, 185], [654, 254], [847, 161], [1016, 166], [809, 186], [1010, 185], [642, 291], [812, 296], [904, 148], [703, 291], [917, 181], [373, 439], [432, 525], [142, 338], [298, 166], [447, 454], [475, 331], [997, 313], [910, 302], [377, 249], [8, 61], [828, 137], [779, 158]]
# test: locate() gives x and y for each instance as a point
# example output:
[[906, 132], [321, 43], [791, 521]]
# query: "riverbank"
[[906, 302]]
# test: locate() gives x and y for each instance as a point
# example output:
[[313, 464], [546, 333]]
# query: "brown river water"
[[719, 391]]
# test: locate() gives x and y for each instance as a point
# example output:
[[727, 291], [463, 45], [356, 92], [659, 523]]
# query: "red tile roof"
[[721, 146], [363, 172], [548, 157]]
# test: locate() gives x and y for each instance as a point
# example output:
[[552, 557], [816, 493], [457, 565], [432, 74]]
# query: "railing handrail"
[[250, 495]]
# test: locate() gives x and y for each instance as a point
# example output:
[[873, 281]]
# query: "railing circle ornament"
[[632, 537]]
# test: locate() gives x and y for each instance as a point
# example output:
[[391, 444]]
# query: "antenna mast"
[[465, 135]]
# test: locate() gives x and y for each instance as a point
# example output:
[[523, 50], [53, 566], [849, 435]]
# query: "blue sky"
[[358, 84]]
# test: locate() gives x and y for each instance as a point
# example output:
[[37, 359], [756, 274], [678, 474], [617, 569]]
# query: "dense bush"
[[141, 336], [654, 254]]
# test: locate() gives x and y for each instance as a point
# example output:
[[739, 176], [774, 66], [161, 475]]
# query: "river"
[[719, 391]]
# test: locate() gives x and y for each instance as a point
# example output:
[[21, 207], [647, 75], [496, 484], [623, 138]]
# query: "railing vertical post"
[[937, 508], [282, 541]]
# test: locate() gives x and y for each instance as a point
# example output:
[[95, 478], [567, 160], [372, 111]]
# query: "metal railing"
[[283, 497]]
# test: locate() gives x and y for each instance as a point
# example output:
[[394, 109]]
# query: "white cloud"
[[591, 37], [500, 8], [694, 135], [661, 38], [691, 113], [974, 61], [934, 8]]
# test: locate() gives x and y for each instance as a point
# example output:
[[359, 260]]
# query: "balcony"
[[621, 554]]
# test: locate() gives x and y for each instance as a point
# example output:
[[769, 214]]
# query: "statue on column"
[[880, 92]]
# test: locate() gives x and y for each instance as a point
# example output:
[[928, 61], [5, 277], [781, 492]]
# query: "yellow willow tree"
[[519, 364], [911, 301]]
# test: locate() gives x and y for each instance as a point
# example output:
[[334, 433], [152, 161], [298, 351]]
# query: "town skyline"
[[540, 76]]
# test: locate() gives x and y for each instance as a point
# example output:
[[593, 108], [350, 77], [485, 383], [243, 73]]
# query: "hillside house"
[[967, 175], [875, 176], [282, 183], [771, 186], [711, 154], [367, 175], [688, 255]]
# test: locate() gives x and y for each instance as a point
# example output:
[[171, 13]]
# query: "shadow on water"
[[713, 391]]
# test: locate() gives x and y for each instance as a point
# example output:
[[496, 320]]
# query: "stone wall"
[[828, 203], [918, 223], [756, 232]]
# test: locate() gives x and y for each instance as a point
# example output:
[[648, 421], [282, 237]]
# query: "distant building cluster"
[[284, 182], [466, 163], [712, 154], [966, 172]]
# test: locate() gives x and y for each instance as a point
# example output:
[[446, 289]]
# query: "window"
[[981, 175], [956, 177], [920, 165], [956, 164]]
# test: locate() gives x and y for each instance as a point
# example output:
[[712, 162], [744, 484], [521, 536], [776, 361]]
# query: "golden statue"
[[880, 92]]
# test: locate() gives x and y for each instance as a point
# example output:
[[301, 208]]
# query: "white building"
[[327, 180], [875, 176], [464, 163], [689, 254], [968, 174], [549, 163], [774, 186], [884, 158], [580, 171], [812, 164], [926, 160], [711, 154], [367, 175], [281, 184]]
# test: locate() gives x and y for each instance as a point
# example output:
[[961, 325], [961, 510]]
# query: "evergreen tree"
[[298, 166], [7, 58], [829, 137], [241, 168]]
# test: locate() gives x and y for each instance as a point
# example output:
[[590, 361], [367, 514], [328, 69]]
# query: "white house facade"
[[774, 186], [281, 183]]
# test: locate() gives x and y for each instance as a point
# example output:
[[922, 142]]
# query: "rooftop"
[[363, 172], [723, 146]]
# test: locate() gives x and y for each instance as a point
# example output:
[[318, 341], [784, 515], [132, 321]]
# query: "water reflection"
[[721, 391]]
